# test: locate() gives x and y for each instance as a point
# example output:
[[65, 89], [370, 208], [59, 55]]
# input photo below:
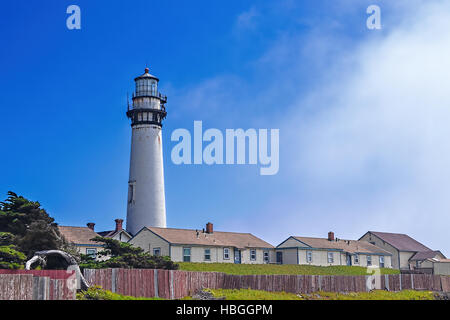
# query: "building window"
[[91, 253], [356, 258], [252, 255], [369, 260], [330, 257], [309, 256], [381, 261], [226, 253], [157, 251], [207, 254], [266, 256], [187, 254]]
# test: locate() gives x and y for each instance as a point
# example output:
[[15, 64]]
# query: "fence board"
[[37, 285], [177, 284]]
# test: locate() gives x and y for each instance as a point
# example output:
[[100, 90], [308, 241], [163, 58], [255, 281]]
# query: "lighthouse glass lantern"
[[148, 104]]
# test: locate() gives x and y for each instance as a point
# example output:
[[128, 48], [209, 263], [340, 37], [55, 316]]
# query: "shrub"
[[10, 258]]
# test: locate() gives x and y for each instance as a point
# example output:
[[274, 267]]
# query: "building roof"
[[350, 246], [217, 238], [146, 75], [78, 235], [423, 255], [112, 233], [401, 242], [107, 234]]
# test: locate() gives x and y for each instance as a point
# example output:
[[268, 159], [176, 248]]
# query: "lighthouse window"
[[131, 190]]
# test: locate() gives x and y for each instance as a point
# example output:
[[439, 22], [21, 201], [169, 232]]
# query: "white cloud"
[[367, 146], [378, 148]]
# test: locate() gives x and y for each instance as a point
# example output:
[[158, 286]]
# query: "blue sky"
[[361, 113]]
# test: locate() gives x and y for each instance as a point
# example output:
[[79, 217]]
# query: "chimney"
[[209, 227], [330, 236], [91, 225], [118, 224]]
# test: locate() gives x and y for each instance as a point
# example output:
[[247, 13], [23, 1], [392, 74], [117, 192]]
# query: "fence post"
[[171, 283], [113, 280], [412, 281], [41, 288], [320, 283], [386, 282], [400, 277], [155, 282]]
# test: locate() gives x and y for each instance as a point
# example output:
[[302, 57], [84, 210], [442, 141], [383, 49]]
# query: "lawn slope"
[[247, 269], [247, 294]]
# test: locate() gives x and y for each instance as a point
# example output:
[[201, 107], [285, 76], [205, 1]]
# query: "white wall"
[[147, 207], [148, 241], [198, 254]]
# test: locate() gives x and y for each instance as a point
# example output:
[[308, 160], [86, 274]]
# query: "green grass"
[[247, 294], [97, 293], [247, 269]]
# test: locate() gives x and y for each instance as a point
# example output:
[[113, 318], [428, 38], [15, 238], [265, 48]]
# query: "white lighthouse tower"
[[146, 200]]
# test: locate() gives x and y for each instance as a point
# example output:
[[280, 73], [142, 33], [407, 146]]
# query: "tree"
[[124, 255], [25, 228]]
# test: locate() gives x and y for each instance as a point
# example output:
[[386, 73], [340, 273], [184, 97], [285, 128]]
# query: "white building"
[[406, 251], [146, 200], [331, 251], [207, 245], [81, 237]]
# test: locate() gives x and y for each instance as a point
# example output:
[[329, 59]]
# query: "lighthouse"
[[146, 205]]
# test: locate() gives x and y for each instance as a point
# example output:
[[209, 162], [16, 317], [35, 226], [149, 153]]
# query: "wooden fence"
[[176, 284], [37, 285]]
